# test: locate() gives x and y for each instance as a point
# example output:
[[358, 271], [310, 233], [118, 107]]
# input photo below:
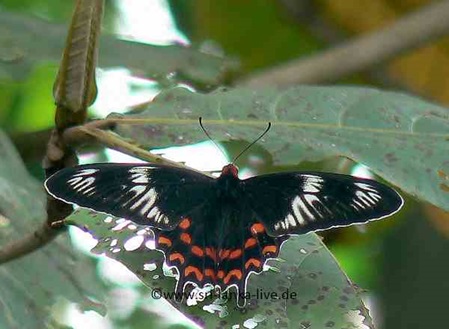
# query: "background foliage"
[[402, 262]]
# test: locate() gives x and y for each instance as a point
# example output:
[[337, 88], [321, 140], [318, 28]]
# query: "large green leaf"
[[30, 286], [306, 273], [401, 138], [26, 41]]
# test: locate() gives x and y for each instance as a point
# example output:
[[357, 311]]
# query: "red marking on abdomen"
[[220, 274]]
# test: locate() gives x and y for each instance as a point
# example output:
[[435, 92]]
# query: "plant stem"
[[361, 53]]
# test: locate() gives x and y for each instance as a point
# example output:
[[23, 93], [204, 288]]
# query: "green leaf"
[[401, 138], [27, 41], [335, 302], [30, 286], [308, 280]]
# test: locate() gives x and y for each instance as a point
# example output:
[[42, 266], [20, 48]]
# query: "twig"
[[109, 139], [409, 32]]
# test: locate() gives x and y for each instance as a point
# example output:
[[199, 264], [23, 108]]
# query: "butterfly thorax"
[[228, 184]]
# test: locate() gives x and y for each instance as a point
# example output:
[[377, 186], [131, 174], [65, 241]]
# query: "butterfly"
[[217, 231]]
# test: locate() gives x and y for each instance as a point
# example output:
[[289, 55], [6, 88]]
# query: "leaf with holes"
[[401, 138], [307, 279], [30, 286]]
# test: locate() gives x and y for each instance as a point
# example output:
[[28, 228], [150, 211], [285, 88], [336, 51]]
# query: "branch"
[[361, 53], [111, 140], [78, 134]]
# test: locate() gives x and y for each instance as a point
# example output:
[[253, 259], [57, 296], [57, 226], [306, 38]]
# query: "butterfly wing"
[[297, 203], [148, 194]]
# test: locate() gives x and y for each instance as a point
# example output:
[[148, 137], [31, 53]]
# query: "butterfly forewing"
[[297, 203], [147, 194]]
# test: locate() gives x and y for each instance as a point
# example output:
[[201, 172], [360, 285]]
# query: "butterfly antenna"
[[200, 119], [254, 142]]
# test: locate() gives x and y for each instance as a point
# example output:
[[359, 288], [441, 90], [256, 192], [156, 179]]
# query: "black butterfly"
[[219, 231]]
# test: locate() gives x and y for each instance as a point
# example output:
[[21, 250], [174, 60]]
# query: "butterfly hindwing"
[[201, 257], [147, 194], [297, 203]]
